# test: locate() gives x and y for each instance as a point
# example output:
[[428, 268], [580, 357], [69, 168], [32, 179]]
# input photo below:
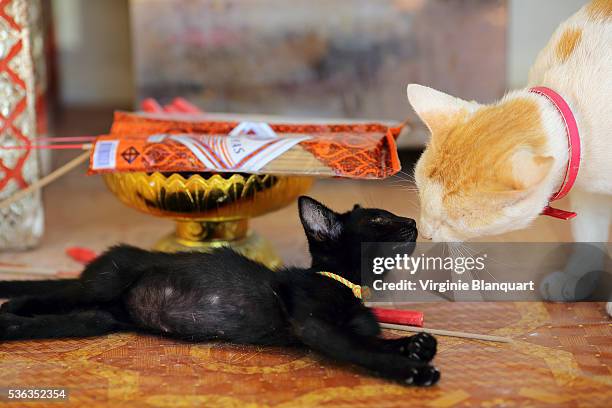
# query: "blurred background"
[[66, 65], [311, 58]]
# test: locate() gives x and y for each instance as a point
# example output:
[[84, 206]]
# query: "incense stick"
[[449, 333], [54, 139], [49, 178], [28, 270], [55, 146]]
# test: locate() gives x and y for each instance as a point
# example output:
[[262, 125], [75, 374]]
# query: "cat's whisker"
[[402, 184], [470, 272], [410, 176], [491, 258], [404, 189], [398, 181], [404, 176], [404, 181], [472, 252], [369, 199], [413, 205]]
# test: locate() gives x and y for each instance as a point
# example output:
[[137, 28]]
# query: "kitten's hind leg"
[[108, 276], [104, 280], [329, 340], [60, 301], [9, 289], [86, 323]]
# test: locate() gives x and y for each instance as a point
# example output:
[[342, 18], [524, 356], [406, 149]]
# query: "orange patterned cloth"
[[343, 150]]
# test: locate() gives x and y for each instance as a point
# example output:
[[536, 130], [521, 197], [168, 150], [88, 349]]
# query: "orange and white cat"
[[489, 169]]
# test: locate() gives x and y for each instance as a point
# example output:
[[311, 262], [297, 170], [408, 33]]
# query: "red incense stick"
[[150, 105], [66, 139], [184, 106], [397, 316]]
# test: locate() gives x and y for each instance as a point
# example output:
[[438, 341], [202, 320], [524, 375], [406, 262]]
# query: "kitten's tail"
[[9, 289]]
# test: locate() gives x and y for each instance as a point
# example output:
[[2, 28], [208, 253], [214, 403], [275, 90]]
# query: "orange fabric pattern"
[[347, 150], [561, 357]]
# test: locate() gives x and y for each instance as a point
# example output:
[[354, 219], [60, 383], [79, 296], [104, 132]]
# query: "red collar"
[[573, 141]]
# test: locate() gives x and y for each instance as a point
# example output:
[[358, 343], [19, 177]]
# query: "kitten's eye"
[[379, 220]]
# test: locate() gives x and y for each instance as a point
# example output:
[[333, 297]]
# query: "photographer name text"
[[441, 287]]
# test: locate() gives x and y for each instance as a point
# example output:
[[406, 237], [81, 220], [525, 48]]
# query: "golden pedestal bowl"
[[210, 209]]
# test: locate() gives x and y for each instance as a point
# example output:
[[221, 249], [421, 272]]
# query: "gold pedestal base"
[[205, 236], [211, 210]]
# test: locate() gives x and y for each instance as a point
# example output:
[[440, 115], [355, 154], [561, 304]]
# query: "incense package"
[[140, 142]]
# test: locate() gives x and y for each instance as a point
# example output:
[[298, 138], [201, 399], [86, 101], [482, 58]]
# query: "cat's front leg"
[[583, 269], [345, 346]]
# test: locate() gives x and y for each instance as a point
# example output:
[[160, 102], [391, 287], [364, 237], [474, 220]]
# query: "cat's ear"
[[319, 222], [528, 169], [436, 109]]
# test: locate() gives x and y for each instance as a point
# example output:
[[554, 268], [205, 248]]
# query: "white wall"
[[531, 24], [93, 52]]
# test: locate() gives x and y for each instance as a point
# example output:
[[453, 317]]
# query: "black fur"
[[225, 296]]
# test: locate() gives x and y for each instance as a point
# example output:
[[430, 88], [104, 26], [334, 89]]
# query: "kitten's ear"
[[436, 109], [529, 169], [319, 222], [356, 207]]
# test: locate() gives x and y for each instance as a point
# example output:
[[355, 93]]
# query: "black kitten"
[[223, 295]]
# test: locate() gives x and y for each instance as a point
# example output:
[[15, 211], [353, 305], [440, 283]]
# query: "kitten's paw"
[[423, 376], [16, 306], [420, 347]]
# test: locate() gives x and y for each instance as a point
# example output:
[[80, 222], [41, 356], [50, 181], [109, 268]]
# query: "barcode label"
[[105, 153]]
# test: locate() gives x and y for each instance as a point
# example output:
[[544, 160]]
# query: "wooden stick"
[[28, 270], [52, 146], [57, 146], [449, 333], [49, 178]]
